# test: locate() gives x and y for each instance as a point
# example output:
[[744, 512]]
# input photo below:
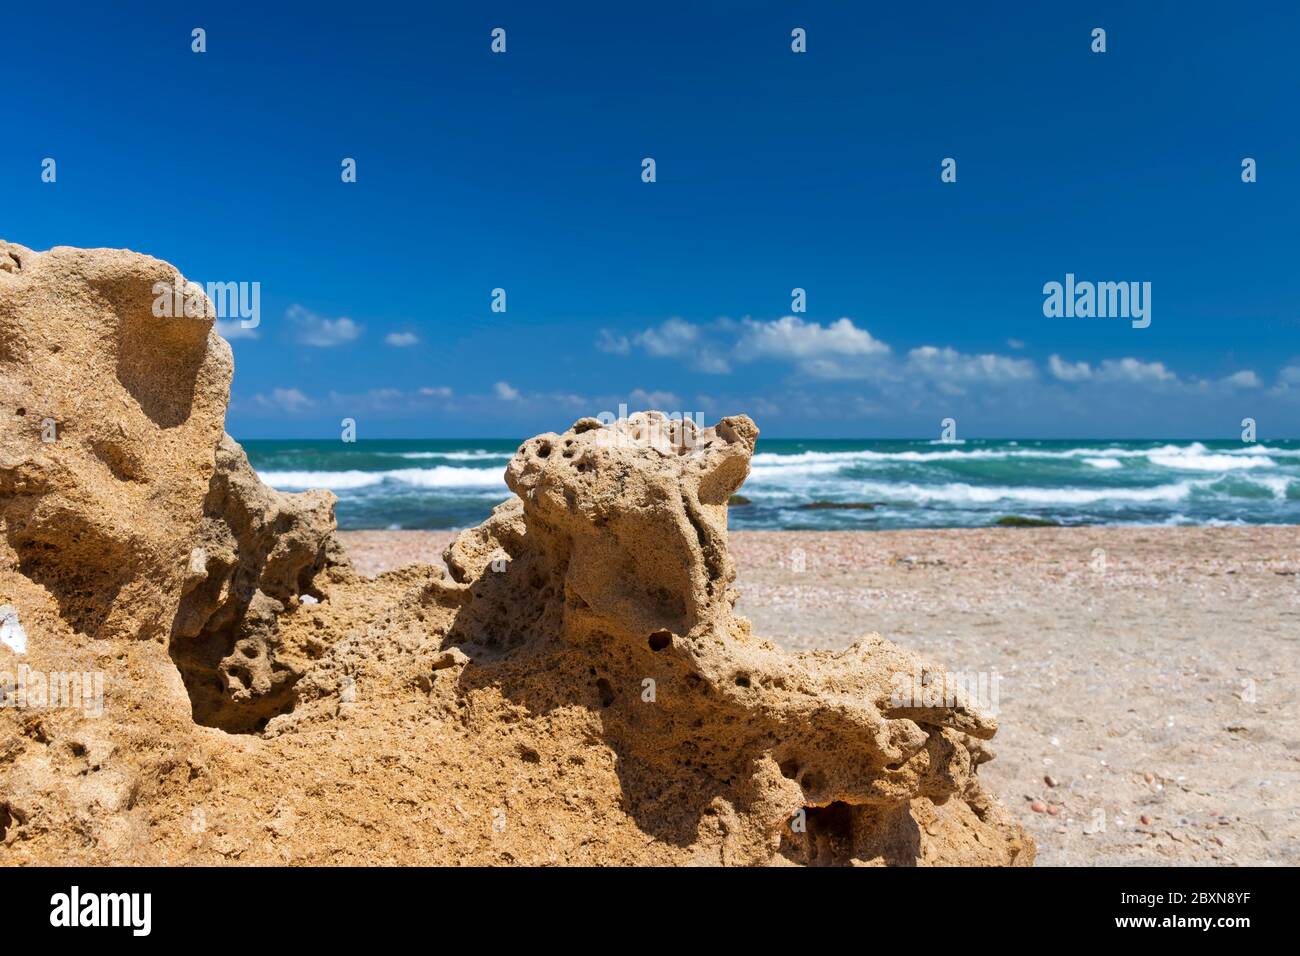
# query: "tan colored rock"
[[578, 688], [618, 593], [255, 552], [109, 417]]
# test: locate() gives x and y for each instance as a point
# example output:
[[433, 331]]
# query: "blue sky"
[[775, 170]]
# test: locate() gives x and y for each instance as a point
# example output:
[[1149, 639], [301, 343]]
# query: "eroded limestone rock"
[[119, 492], [618, 593], [576, 689], [256, 552], [109, 418]]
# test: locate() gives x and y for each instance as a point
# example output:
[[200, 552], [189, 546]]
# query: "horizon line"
[[936, 441]]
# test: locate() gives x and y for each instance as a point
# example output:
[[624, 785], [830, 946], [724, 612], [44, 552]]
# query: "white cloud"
[[951, 370], [288, 400], [235, 329], [641, 400], [1288, 380], [844, 351], [819, 350], [615, 344], [506, 392], [400, 340], [1069, 371], [438, 391], [672, 337], [320, 332], [1134, 370], [1124, 370], [791, 336], [677, 338], [567, 399], [1243, 379]]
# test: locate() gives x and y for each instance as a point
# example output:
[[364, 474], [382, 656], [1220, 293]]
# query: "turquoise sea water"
[[913, 484]]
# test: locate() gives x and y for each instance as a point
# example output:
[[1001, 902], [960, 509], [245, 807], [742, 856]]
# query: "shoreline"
[[1154, 681], [375, 550]]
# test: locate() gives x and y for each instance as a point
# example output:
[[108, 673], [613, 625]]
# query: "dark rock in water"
[[1020, 521], [737, 500], [850, 505]]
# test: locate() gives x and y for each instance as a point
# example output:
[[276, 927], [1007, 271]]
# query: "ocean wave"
[[1192, 457], [915, 484], [440, 476], [476, 455], [1203, 461], [777, 473], [1279, 485], [962, 493], [800, 460]]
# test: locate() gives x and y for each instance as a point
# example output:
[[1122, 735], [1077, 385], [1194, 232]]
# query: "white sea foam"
[[1177, 455], [1190, 460], [440, 476], [1182, 482], [807, 458], [962, 493], [476, 455], [1278, 484]]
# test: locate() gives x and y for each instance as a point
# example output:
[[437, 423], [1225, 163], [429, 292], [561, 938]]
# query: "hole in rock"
[[234, 685], [834, 821], [659, 640], [810, 782], [742, 680], [5, 819], [789, 768], [606, 692], [239, 667]]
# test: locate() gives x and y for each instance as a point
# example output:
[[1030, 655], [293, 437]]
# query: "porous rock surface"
[[576, 687]]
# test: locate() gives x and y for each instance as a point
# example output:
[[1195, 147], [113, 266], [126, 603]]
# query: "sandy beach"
[[1146, 677]]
